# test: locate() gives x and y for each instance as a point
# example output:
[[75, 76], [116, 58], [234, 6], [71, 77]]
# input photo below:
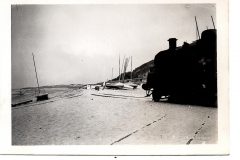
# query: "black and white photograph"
[[109, 74]]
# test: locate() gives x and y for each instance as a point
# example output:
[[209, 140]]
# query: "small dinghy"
[[40, 97]]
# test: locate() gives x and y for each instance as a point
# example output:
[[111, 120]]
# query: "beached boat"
[[130, 85], [116, 85]]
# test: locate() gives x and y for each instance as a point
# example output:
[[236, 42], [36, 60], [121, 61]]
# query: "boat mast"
[[119, 68], [213, 22], [122, 67], [131, 68], [197, 28], [112, 73], [125, 67], [36, 73]]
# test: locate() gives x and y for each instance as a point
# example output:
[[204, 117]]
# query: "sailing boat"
[[40, 97], [129, 85], [116, 85]]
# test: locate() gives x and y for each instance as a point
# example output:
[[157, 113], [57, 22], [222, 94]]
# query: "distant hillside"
[[139, 72]]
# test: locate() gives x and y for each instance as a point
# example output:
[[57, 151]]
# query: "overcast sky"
[[82, 43]]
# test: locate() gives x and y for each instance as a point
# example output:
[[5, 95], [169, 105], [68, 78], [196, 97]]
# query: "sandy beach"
[[111, 117]]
